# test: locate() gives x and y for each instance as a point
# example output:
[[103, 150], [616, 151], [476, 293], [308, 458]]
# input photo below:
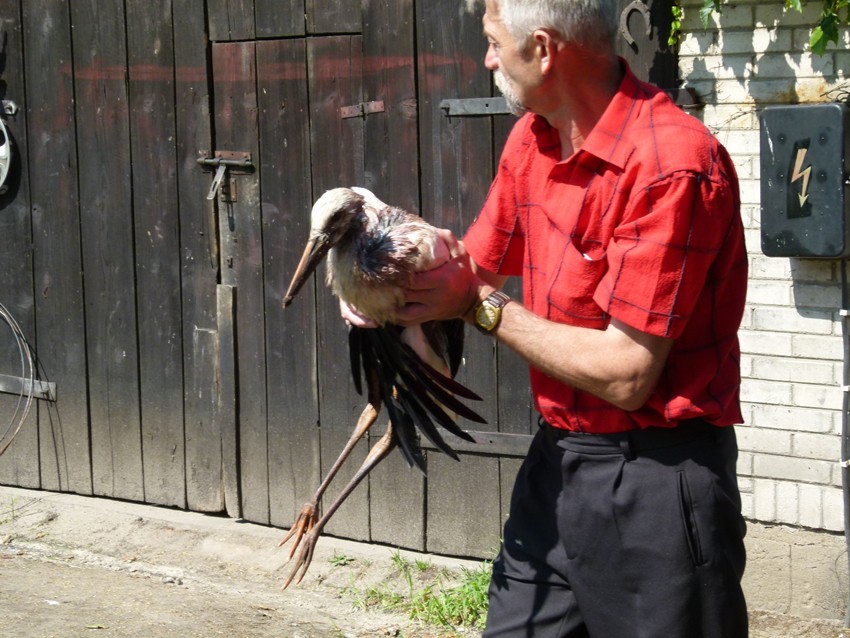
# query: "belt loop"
[[627, 448]]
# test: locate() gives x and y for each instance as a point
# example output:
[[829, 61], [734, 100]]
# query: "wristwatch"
[[489, 312]]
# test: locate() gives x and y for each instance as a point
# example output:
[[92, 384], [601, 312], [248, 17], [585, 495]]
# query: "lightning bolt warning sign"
[[801, 174], [798, 194]]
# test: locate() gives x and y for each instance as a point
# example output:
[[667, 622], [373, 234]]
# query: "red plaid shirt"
[[641, 224]]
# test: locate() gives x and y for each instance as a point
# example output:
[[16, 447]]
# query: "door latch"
[[225, 163]]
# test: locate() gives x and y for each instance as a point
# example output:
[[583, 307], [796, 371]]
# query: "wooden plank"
[[463, 507], [342, 16], [100, 74], [284, 126], [397, 494], [19, 464], [231, 20], [279, 18], [157, 233], [225, 416], [63, 427], [236, 122], [335, 73], [199, 265], [455, 182], [451, 65]]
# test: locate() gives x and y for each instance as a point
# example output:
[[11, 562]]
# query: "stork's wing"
[[418, 397]]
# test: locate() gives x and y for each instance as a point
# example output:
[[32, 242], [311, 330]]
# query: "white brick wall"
[[753, 55]]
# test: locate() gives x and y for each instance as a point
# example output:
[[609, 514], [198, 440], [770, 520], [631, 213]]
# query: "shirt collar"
[[606, 139]]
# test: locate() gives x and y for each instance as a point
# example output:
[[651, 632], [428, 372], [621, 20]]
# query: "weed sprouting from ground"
[[430, 595]]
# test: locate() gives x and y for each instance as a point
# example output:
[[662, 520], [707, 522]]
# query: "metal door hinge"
[[225, 163], [475, 106], [361, 110]]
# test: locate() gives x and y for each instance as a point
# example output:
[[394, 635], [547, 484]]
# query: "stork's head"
[[332, 217]]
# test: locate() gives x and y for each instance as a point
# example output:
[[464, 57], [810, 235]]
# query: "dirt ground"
[[75, 566], [80, 566]]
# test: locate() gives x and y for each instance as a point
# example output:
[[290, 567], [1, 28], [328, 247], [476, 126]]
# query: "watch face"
[[487, 316]]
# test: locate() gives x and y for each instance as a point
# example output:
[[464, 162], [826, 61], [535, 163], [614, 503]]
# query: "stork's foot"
[[305, 557], [304, 524]]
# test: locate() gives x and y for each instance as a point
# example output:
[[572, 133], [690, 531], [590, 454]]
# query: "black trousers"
[[633, 535]]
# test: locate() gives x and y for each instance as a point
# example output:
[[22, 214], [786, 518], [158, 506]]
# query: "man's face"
[[507, 64]]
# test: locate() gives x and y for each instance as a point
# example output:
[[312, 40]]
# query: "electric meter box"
[[804, 181]]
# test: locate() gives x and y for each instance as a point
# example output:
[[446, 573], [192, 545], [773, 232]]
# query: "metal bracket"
[[222, 162], [19, 385], [361, 110], [474, 106]]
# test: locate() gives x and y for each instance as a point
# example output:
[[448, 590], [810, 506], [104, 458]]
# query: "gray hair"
[[588, 22]]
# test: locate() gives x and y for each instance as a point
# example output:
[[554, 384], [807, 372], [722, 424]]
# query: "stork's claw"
[[305, 557], [304, 524]]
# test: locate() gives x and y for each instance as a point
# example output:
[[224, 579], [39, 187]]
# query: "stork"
[[372, 251]]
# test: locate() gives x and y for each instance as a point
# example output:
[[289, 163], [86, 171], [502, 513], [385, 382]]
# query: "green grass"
[[430, 595], [341, 560]]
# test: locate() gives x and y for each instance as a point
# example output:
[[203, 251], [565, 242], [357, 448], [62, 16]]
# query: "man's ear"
[[545, 47]]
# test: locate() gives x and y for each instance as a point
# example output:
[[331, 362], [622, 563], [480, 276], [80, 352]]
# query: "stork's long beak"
[[314, 252]]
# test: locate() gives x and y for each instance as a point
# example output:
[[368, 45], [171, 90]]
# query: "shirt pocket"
[[576, 270]]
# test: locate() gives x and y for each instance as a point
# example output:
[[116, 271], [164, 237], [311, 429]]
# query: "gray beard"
[[514, 105]]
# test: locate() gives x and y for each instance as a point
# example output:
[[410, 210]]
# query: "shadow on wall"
[[750, 58]]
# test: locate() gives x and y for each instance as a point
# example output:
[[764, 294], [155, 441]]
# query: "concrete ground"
[[83, 566]]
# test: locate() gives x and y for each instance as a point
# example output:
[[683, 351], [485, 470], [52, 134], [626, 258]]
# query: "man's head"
[[591, 23], [528, 39]]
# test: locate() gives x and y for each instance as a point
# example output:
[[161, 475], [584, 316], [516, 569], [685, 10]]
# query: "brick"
[[780, 369], [768, 343], [825, 447], [790, 320], [813, 271], [750, 190], [817, 396], [698, 43], [748, 505], [745, 484], [744, 465], [792, 469], [727, 116], [764, 500], [785, 64], [729, 17], [783, 417], [746, 366], [745, 168], [769, 293], [817, 296], [787, 502], [762, 440], [757, 40], [752, 233], [833, 509], [811, 505], [773, 16], [829, 347], [769, 392], [762, 267]]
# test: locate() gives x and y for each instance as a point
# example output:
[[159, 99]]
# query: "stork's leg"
[[377, 454], [309, 512]]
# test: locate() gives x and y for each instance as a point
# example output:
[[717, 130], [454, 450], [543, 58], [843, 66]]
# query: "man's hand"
[[446, 292]]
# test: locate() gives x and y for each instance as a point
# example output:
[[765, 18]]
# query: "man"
[[621, 213]]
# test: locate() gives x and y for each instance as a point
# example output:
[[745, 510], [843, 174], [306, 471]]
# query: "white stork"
[[372, 250]]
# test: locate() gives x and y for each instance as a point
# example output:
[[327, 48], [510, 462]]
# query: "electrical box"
[[804, 181]]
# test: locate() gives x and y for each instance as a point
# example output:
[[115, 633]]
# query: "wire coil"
[[28, 374]]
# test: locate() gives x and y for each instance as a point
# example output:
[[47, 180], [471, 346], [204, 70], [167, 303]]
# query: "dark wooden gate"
[[154, 304]]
